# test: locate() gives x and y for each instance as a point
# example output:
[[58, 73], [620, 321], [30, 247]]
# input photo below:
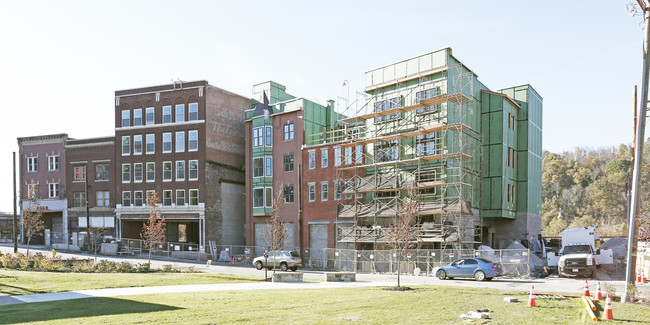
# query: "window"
[[258, 167], [509, 194], [137, 117], [268, 196], [268, 166], [137, 172], [103, 199], [513, 194], [167, 171], [54, 190], [194, 169], [258, 137], [288, 162], [150, 115], [425, 145], [182, 233], [180, 197], [101, 172], [512, 121], [167, 142], [424, 94], [151, 143], [312, 192], [180, 170], [337, 156], [180, 113], [151, 172], [52, 163], [79, 173], [167, 198], [385, 105], [288, 194], [148, 196], [386, 150], [348, 155], [126, 199], [338, 189], [193, 140], [193, 114], [258, 197], [126, 145], [312, 159], [126, 118], [137, 198], [167, 114], [324, 159], [126, 173], [269, 136], [194, 197], [511, 157], [180, 141], [137, 144], [288, 131], [32, 164], [79, 199], [323, 191], [359, 154]]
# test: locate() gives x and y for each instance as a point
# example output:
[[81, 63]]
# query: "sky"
[[62, 61]]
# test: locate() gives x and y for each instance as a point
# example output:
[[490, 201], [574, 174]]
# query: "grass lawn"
[[14, 282], [425, 305]]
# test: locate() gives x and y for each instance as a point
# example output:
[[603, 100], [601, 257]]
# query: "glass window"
[[79, 173], [150, 115], [167, 170], [167, 142], [52, 163], [424, 94], [32, 164], [338, 189], [194, 197], [167, 114], [258, 137], [102, 198], [359, 154], [137, 144], [182, 233], [348, 155], [180, 141], [268, 196], [180, 113], [258, 197], [137, 198], [387, 150], [337, 156], [167, 198], [385, 105], [79, 199], [194, 169], [101, 172], [312, 192], [323, 191], [193, 111], [269, 136], [151, 172], [126, 173], [137, 172], [258, 167], [151, 143], [180, 170], [288, 162], [288, 194], [312, 159], [193, 141], [126, 118], [268, 166], [126, 199], [324, 159], [53, 189], [180, 197], [137, 117], [126, 145], [288, 131], [425, 144]]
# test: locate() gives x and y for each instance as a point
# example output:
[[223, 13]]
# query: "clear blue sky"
[[61, 61]]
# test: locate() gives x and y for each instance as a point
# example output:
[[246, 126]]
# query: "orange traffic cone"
[[608, 314], [638, 277], [586, 292], [531, 297], [233, 260], [643, 280], [599, 295]]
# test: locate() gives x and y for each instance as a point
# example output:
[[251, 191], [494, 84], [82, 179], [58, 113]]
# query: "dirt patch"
[[399, 288]]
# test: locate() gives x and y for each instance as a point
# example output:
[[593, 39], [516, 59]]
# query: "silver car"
[[285, 260]]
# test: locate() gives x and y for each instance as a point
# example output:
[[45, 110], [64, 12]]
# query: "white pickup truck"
[[580, 253]]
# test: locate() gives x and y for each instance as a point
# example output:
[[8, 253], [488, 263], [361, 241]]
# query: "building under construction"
[[431, 133]]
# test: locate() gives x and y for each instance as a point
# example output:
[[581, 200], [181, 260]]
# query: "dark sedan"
[[477, 268]]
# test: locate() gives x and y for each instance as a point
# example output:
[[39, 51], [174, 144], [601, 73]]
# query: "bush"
[[167, 268], [143, 268], [124, 267], [83, 266]]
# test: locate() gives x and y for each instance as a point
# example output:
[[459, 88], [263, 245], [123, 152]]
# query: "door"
[[317, 244], [468, 268], [456, 268]]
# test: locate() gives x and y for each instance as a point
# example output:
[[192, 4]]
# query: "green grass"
[[14, 282], [425, 305]]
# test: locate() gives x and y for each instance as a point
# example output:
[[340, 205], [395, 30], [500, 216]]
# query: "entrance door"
[[317, 244]]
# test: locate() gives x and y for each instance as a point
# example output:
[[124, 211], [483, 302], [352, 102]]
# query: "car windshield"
[[577, 249]]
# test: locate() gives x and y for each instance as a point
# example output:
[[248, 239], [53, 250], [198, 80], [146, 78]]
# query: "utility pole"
[[638, 157], [15, 223], [87, 209]]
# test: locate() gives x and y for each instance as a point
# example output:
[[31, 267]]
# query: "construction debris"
[[476, 315]]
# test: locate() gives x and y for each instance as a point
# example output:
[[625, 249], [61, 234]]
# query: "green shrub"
[[83, 266], [167, 268], [124, 267], [105, 266], [143, 268]]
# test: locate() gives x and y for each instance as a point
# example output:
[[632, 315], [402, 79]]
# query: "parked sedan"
[[285, 260], [477, 268]]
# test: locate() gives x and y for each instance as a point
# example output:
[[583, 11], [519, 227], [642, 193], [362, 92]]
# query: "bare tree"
[[401, 235], [276, 233], [33, 223], [153, 231]]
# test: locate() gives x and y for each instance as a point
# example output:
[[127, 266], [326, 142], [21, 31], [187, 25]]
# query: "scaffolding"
[[419, 138]]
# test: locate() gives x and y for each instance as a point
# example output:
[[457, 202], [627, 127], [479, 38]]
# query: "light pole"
[[638, 153]]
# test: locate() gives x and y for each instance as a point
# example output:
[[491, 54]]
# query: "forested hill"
[[589, 186]]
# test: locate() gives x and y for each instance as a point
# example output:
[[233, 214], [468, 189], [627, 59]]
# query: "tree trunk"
[[398, 268]]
